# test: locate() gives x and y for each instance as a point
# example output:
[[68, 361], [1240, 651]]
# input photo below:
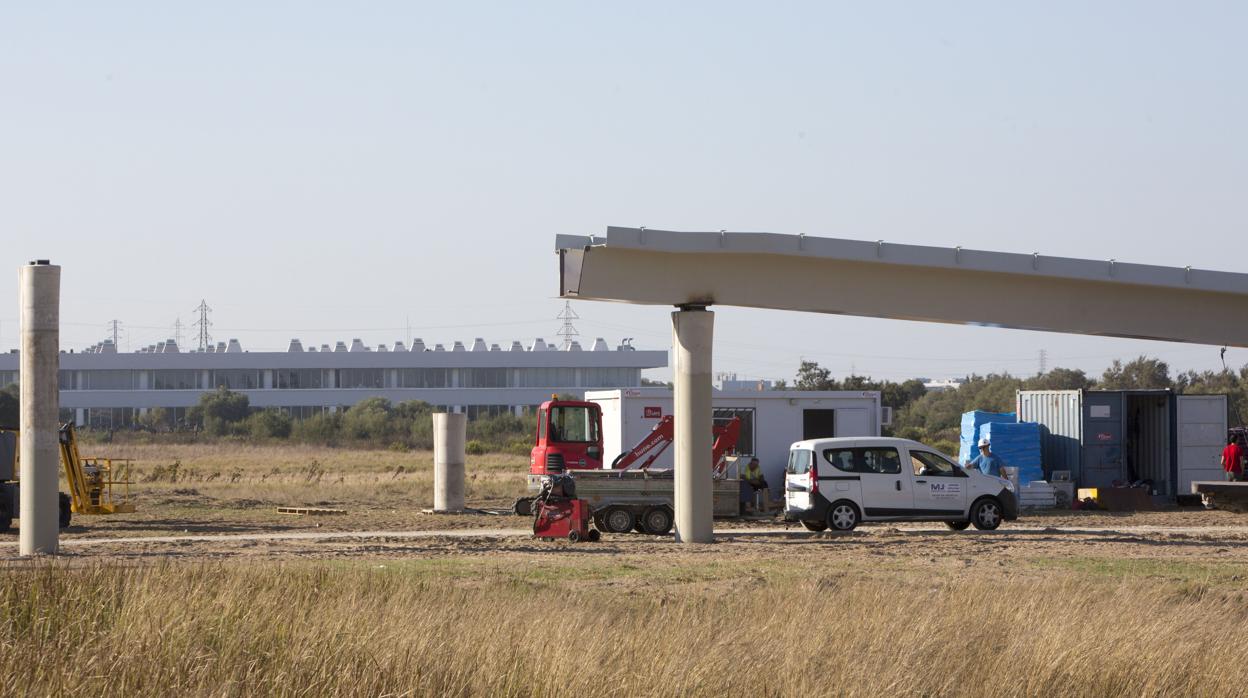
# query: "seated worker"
[[753, 476], [987, 462]]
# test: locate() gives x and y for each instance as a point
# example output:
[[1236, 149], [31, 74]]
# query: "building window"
[[610, 377], [296, 379], [745, 441], [483, 378], [235, 380], [8, 378], [424, 378], [175, 380], [545, 378], [361, 378], [108, 380]]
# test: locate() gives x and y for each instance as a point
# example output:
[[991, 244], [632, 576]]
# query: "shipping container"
[[1108, 436]]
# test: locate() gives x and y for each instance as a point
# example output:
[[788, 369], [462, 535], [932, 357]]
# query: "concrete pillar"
[[40, 408], [692, 335], [450, 435]]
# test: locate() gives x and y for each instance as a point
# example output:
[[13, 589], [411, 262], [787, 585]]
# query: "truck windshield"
[[573, 424]]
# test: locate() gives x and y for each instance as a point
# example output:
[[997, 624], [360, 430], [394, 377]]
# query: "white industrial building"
[[104, 388], [771, 421]]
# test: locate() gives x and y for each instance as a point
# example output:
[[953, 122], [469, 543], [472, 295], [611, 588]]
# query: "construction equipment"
[[630, 496], [96, 485], [557, 513]]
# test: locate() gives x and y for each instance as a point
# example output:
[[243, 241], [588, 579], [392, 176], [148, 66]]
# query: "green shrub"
[[475, 448], [269, 424]]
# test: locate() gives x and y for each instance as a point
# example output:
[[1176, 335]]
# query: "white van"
[[838, 483]]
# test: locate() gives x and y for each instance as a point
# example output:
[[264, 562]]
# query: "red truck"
[[628, 495]]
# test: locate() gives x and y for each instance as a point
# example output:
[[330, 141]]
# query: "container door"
[[1201, 435], [1102, 440]]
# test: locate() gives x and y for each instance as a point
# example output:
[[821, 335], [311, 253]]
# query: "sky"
[[329, 171]]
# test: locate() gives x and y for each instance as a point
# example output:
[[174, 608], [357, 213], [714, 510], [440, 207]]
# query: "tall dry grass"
[[440, 629]]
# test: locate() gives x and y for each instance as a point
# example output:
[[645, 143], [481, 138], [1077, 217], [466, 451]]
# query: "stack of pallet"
[[1037, 494]]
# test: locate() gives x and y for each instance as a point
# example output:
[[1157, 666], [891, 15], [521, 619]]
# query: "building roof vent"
[[382, 347], [340, 346], [495, 347], [551, 347], [600, 344], [459, 346], [108, 347], [439, 347], [160, 347], [517, 346], [234, 347], [171, 346], [399, 346], [574, 346], [210, 349], [478, 344], [418, 344], [220, 347], [538, 345], [295, 345], [312, 348], [357, 345]]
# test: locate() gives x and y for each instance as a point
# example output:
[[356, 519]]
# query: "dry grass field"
[[1056, 604]]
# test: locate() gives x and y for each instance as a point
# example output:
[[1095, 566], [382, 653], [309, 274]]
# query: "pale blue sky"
[[326, 170]]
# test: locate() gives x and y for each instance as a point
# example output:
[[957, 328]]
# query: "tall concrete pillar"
[[450, 432], [40, 408], [692, 334]]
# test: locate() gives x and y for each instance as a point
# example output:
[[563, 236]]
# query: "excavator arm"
[[643, 455]]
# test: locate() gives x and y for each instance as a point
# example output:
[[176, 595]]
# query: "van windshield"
[[799, 462]]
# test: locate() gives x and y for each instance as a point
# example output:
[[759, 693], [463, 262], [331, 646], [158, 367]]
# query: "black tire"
[[986, 514], [523, 506], [618, 520], [843, 515], [815, 526], [65, 513], [574, 536], [958, 525], [638, 527], [657, 521], [594, 535], [6, 518]]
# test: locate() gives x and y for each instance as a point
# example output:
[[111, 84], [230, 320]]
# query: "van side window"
[[864, 460], [930, 464], [799, 462]]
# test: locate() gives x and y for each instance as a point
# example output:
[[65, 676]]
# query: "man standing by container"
[[1233, 460], [987, 462]]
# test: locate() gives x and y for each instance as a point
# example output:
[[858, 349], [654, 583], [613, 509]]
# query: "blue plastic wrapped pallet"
[[972, 423], [1017, 445]]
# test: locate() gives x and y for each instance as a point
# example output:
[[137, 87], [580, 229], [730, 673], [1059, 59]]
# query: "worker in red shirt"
[[1233, 460]]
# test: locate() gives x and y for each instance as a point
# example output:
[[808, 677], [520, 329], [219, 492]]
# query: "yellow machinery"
[[96, 485], [91, 480]]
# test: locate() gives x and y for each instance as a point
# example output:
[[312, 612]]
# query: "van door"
[[886, 488], [939, 485], [1202, 434]]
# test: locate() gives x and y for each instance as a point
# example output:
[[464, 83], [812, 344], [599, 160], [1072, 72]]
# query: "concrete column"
[[40, 408], [450, 433], [692, 334]]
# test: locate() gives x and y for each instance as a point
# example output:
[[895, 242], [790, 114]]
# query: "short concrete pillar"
[[692, 335], [40, 451], [450, 432]]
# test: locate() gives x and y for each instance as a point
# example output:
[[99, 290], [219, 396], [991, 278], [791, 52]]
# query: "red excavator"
[[629, 495]]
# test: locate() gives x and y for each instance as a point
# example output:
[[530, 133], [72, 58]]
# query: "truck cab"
[[569, 438]]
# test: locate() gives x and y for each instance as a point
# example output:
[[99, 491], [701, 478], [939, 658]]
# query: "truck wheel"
[[594, 535], [523, 506], [958, 525], [657, 521], [986, 514], [843, 516], [618, 520], [65, 512], [814, 526]]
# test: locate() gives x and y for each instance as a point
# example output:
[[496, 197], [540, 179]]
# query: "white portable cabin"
[[771, 420]]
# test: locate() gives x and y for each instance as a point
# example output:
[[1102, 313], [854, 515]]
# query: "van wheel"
[[958, 525], [986, 514], [843, 516], [814, 526], [618, 520], [657, 521]]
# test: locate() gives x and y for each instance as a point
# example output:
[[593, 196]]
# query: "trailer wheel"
[[65, 512], [594, 535], [618, 520], [574, 536], [657, 521]]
